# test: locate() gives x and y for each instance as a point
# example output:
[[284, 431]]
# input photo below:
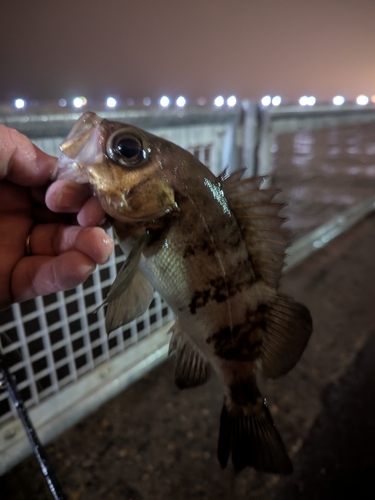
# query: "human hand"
[[62, 255]]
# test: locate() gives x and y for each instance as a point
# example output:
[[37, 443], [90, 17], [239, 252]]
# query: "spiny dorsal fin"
[[257, 216], [191, 368]]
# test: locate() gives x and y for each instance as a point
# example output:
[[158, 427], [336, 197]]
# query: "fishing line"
[[8, 381]]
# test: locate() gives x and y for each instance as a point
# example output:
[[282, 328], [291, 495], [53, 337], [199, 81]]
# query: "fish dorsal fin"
[[133, 302], [260, 224], [191, 368], [128, 278]]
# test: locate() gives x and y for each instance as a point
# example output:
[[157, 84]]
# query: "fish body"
[[213, 247]]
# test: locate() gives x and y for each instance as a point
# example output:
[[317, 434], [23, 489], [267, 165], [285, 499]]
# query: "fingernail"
[[86, 269], [108, 240]]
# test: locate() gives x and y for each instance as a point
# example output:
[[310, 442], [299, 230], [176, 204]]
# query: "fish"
[[214, 248]]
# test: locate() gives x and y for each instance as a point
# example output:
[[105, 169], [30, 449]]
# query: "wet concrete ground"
[[155, 442], [323, 173]]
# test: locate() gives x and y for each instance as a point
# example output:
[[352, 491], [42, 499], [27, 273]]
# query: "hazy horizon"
[[53, 50]]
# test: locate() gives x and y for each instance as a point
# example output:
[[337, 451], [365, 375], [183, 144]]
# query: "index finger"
[[22, 162]]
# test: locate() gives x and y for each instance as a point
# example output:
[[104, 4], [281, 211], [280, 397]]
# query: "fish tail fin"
[[253, 440]]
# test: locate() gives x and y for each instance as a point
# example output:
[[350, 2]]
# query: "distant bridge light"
[[362, 100], [62, 103], [303, 100], [111, 102], [19, 103], [219, 101], [146, 101], [311, 100], [276, 101], [232, 101], [181, 101], [338, 100], [266, 100], [164, 101], [78, 102]]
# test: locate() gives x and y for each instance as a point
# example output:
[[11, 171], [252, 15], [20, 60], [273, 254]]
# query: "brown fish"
[[213, 247]]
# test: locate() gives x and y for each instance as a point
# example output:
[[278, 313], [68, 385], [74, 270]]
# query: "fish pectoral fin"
[[133, 302], [287, 332], [127, 271], [191, 368], [124, 279], [253, 440]]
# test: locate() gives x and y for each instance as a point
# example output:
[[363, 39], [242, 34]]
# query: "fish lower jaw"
[[71, 170]]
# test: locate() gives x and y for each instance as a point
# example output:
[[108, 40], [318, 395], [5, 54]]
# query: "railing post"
[[250, 135]]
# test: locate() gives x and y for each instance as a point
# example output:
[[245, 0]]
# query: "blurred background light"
[[266, 100], [63, 103], [111, 102], [338, 100], [232, 101], [311, 100], [303, 100], [19, 103], [146, 101], [362, 100], [276, 101], [78, 102], [181, 101], [372, 98], [164, 101], [219, 101]]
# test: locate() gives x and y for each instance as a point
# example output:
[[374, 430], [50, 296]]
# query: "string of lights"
[[181, 101]]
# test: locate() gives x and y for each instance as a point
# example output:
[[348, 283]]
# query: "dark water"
[[323, 173]]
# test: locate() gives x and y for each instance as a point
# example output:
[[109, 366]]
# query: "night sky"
[[52, 49]]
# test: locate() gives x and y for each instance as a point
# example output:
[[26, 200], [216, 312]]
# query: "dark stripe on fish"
[[241, 342], [219, 290]]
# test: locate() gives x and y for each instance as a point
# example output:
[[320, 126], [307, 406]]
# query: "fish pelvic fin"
[[191, 369], [253, 440], [288, 326]]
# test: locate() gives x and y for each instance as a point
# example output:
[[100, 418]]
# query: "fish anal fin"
[[191, 369], [253, 440], [287, 332], [133, 302]]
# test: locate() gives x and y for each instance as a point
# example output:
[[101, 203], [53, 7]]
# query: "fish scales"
[[213, 247]]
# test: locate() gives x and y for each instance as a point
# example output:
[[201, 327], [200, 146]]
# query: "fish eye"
[[126, 149]]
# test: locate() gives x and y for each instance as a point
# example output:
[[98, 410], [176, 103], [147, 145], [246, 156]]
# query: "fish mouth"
[[80, 135], [70, 170], [82, 147]]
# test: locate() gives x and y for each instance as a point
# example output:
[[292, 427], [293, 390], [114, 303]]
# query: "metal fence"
[[65, 364]]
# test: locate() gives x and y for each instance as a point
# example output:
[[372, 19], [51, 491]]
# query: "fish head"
[[123, 164]]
